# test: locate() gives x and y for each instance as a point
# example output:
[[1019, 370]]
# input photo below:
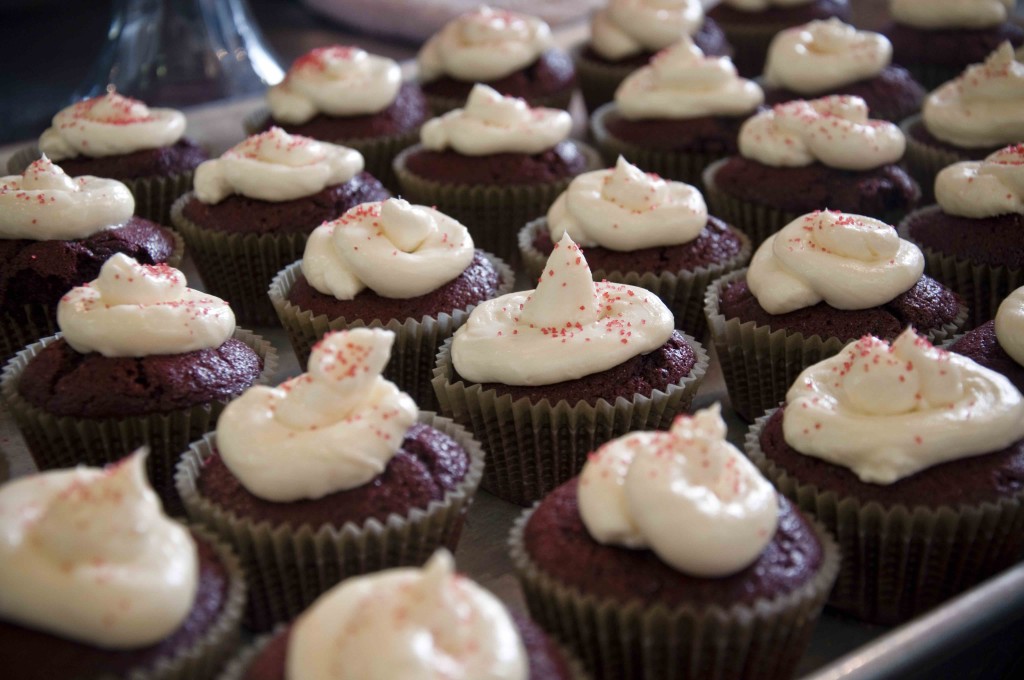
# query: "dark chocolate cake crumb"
[[178, 158]]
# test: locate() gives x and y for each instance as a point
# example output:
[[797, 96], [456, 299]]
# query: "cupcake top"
[[407, 623], [627, 27], [846, 261], [490, 123], [110, 125], [89, 555], [687, 494], [1010, 325], [680, 82], [330, 429], [981, 108], [994, 186], [44, 204], [761, 5], [935, 14], [394, 248], [483, 45], [276, 166], [339, 80], [566, 328], [625, 209], [887, 411], [136, 310], [834, 131], [824, 55]]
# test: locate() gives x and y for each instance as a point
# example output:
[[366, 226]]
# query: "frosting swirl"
[[761, 5], [330, 429], [823, 55], [1010, 325], [396, 249], [276, 166], [886, 412], [567, 328], [88, 554], [627, 27], [931, 14], [687, 494], [986, 188]]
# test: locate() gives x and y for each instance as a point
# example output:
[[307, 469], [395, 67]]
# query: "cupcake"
[[141, 360], [830, 57], [333, 473], [55, 233], [544, 376], [494, 165], [808, 155], [827, 278], [678, 114], [971, 239], [97, 582], [636, 228], [510, 52], [410, 269], [999, 344], [670, 556], [121, 138], [913, 458], [254, 207]]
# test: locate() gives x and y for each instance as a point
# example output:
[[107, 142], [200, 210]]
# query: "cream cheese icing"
[[1010, 325], [986, 188], [934, 14], [627, 27]]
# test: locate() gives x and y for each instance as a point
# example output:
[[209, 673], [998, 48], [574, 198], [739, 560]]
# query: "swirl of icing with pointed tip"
[[407, 623], [485, 44], [627, 209], [932, 14], [490, 123], [994, 186], [886, 412], [276, 166], [822, 55], [847, 261], [566, 328], [680, 82], [983, 106], [137, 310], [88, 554], [44, 204], [330, 429], [687, 494], [339, 80], [832, 130], [395, 249], [761, 5], [1010, 325], [627, 27]]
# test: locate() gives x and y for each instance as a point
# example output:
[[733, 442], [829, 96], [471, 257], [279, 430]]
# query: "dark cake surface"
[[782, 16], [982, 346], [450, 167], [551, 74], [715, 135], [183, 156], [892, 95], [407, 112], [993, 241], [709, 38], [954, 48]]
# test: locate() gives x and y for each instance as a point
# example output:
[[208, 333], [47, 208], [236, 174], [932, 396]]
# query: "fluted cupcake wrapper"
[[441, 105], [534, 447], [597, 80], [750, 44], [756, 221], [924, 162], [760, 641], [932, 76], [759, 365], [288, 567]]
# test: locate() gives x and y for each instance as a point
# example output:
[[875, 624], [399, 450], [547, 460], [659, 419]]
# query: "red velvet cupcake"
[[998, 344]]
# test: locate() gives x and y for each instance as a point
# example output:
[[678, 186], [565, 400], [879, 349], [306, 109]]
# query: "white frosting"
[[688, 495], [761, 5], [567, 328], [336, 81], [490, 123], [983, 106], [136, 310], [627, 27], [887, 412], [832, 130], [88, 554], [986, 188], [680, 82], [823, 55], [846, 261], [276, 166], [931, 14], [110, 125], [627, 209], [45, 204], [485, 44], [395, 249], [331, 429], [397, 624], [1010, 325]]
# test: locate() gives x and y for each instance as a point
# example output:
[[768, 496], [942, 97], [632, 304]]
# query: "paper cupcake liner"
[[534, 447], [750, 44], [441, 105], [288, 567], [762, 641], [932, 76], [492, 213], [597, 80], [759, 364], [681, 291], [65, 441], [901, 561], [924, 162]]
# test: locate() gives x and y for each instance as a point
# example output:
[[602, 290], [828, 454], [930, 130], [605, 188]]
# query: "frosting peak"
[[986, 188], [627, 27], [823, 55], [1010, 325], [934, 14]]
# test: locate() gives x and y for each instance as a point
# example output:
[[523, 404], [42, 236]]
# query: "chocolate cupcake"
[[997, 344]]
